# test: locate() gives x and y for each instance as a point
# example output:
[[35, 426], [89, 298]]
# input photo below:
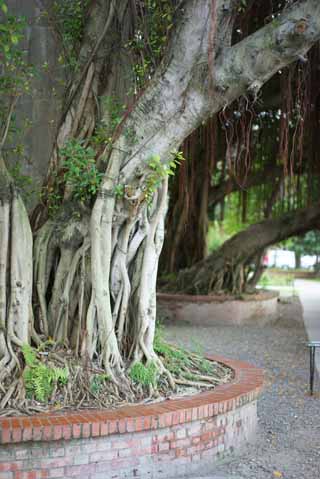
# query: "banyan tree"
[[82, 272]]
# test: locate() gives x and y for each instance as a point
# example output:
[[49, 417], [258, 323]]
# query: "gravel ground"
[[288, 443]]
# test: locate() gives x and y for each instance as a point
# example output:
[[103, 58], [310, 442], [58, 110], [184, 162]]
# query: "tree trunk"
[[225, 269], [16, 318], [297, 257]]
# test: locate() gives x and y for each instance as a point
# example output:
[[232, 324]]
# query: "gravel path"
[[288, 443]]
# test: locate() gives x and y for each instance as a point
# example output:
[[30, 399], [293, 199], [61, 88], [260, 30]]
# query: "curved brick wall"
[[152, 441], [217, 310]]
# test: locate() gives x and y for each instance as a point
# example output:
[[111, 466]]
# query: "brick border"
[[192, 298], [244, 388]]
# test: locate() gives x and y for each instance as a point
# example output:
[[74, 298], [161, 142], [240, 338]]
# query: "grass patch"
[[146, 375], [273, 279]]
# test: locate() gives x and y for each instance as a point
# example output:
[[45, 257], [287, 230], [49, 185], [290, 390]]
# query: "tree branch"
[[225, 188], [245, 67]]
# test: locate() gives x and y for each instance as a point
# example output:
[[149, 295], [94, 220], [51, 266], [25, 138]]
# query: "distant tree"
[[309, 244]]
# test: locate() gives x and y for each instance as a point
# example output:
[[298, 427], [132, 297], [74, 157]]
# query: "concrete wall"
[[42, 106], [210, 311]]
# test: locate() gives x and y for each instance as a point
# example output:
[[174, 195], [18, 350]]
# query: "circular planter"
[[163, 439], [219, 310]]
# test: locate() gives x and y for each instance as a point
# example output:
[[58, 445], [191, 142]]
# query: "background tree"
[[253, 142], [309, 244]]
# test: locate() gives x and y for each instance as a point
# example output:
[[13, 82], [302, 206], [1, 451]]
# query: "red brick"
[[76, 431], [8, 466], [57, 433], [47, 433], [66, 432], [95, 428], [27, 475], [180, 452], [104, 429], [146, 421], [16, 435], [27, 434], [130, 425], [5, 436], [122, 426], [37, 433], [113, 427]]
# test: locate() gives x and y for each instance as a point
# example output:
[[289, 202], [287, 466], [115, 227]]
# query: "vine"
[[69, 19], [155, 21], [16, 73]]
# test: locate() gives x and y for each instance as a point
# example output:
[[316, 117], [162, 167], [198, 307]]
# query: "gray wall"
[[42, 107]]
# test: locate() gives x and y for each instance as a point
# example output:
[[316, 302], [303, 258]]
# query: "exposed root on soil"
[[50, 378]]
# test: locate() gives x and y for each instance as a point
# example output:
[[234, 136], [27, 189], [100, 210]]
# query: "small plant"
[[22, 182], [97, 383], [159, 171], [144, 375], [205, 366], [39, 379], [174, 359], [119, 190], [81, 172], [105, 128], [69, 17]]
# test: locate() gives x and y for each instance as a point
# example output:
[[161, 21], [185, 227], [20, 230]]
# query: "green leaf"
[[4, 8], [14, 39]]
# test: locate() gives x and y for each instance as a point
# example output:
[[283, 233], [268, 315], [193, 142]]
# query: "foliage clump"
[[80, 176], [97, 383], [40, 378], [146, 375], [69, 20], [186, 366], [81, 173]]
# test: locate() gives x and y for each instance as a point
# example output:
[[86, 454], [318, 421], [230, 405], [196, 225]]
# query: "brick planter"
[[218, 310], [158, 440]]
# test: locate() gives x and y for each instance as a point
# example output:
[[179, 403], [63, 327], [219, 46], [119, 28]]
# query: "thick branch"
[[235, 252], [225, 188], [246, 66]]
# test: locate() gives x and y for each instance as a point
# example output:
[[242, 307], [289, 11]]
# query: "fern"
[[39, 379], [29, 354]]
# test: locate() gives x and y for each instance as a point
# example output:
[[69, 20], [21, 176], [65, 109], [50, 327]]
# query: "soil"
[[288, 441]]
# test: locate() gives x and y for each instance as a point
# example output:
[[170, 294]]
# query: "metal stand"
[[312, 348]]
